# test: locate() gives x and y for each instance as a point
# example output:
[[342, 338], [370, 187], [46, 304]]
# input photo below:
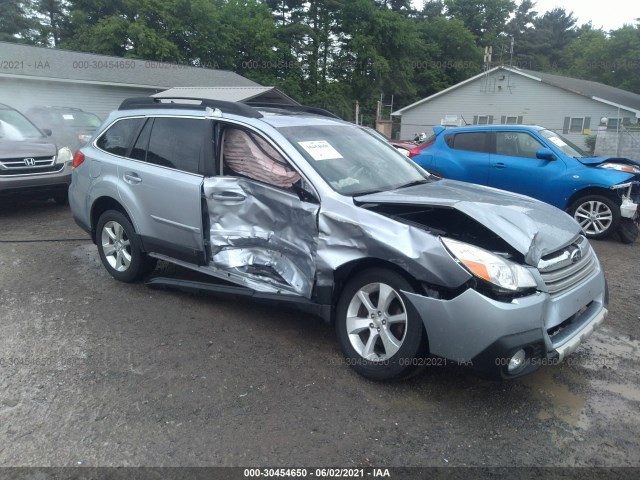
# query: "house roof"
[[230, 94], [593, 90], [587, 88], [66, 65]]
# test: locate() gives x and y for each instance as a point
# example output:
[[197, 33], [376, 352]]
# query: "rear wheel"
[[61, 198], [120, 249], [598, 215], [380, 334]]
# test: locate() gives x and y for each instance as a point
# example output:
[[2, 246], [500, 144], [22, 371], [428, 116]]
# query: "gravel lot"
[[94, 372]]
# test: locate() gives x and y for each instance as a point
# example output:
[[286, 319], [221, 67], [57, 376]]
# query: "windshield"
[[81, 120], [353, 161], [14, 126], [563, 144]]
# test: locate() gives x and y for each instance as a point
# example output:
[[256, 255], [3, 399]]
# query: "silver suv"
[[30, 163], [294, 205]]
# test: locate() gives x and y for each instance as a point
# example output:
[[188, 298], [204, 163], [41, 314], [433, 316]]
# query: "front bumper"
[[475, 330], [36, 185]]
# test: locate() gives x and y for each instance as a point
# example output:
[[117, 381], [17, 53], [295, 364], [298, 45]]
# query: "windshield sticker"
[[66, 116], [320, 150], [557, 142]]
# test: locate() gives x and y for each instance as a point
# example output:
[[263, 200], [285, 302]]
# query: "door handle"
[[229, 197], [132, 178], [499, 165]]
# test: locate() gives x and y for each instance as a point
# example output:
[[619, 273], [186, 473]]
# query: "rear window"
[[118, 137]]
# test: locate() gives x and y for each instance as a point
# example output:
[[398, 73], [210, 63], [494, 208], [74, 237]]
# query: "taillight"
[[78, 158], [418, 150]]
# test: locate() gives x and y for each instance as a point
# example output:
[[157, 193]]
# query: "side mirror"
[[47, 132], [545, 154]]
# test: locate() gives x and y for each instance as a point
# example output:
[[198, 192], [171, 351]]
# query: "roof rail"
[[225, 107], [293, 108]]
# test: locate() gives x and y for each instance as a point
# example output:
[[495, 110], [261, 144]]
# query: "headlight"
[[492, 268], [64, 155], [621, 167]]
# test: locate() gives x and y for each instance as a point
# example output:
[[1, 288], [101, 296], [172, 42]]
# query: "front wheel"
[[598, 216], [380, 334], [120, 249]]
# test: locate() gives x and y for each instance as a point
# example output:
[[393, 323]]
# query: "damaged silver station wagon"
[[291, 204]]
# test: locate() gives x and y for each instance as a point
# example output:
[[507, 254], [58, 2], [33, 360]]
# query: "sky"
[[608, 15]]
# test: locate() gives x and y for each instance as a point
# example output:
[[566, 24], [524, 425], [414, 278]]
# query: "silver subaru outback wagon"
[[292, 204]]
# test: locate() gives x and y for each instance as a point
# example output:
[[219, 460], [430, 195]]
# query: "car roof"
[[468, 128], [276, 115]]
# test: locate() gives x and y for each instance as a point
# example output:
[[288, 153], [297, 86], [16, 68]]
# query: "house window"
[[483, 119], [613, 123], [576, 125], [511, 119]]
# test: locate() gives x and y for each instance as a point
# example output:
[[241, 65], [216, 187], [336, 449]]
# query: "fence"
[[623, 143]]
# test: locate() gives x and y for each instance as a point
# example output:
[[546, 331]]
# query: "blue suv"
[[598, 192]]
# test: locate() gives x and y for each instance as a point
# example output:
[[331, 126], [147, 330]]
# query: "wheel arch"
[[593, 190], [346, 271], [101, 205]]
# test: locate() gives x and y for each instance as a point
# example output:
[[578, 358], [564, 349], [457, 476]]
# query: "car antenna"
[[465, 122]]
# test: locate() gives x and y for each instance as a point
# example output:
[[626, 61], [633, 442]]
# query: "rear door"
[[161, 181], [514, 166], [465, 157], [262, 221]]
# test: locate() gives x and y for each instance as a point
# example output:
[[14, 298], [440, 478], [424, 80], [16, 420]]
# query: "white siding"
[[99, 99], [514, 95]]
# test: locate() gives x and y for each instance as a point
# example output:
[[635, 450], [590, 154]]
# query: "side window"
[[517, 144], [118, 137], [471, 142], [247, 154], [178, 143]]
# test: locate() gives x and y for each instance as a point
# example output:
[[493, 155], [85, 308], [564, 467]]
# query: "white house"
[[507, 95], [34, 76]]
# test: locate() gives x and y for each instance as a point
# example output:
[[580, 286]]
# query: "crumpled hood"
[[531, 227], [25, 149], [594, 161]]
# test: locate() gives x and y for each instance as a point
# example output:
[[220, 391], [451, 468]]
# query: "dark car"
[[598, 192], [31, 164], [70, 127]]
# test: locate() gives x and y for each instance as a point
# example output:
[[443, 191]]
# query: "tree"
[[15, 24], [451, 55], [520, 28], [52, 16], [552, 32], [485, 19], [624, 48]]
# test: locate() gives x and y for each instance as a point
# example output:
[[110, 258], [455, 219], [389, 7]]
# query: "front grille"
[[568, 267], [25, 163], [31, 171]]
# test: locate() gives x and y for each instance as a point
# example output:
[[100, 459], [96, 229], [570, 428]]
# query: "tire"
[[61, 198], [377, 348], [628, 230], [120, 249], [598, 216]]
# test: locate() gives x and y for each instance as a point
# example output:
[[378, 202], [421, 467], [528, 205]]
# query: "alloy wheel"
[[376, 322]]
